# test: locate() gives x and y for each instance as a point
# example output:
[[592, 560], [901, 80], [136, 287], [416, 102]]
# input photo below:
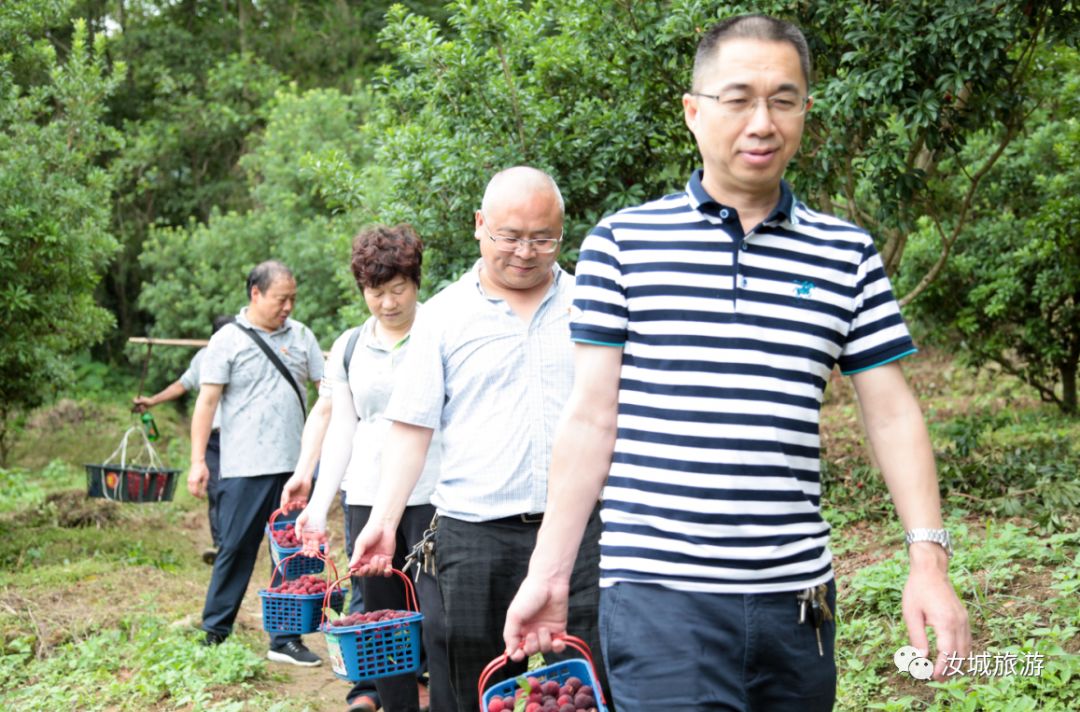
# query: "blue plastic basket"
[[296, 612], [560, 672], [373, 650], [370, 651], [298, 565]]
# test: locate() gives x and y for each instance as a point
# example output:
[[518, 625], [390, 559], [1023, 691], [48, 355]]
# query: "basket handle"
[[152, 457], [281, 564], [571, 641], [411, 602]]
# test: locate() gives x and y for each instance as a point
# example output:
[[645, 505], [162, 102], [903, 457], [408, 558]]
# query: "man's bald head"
[[510, 184]]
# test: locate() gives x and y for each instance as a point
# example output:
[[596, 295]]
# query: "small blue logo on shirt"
[[803, 289]]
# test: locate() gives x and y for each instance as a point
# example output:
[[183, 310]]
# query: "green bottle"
[[150, 426]]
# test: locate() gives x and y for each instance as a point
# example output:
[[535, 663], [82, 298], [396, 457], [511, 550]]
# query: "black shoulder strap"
[[277, 362], [350, 346]]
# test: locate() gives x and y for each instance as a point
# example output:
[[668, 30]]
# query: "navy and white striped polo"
[[728, 342]]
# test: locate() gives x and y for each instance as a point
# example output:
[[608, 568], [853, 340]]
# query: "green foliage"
[[901, 89], [1033, 475], [1012, 296], [54, 214], [144, 663], [591, 91], [198, 271], [586, 91], [985, 570]]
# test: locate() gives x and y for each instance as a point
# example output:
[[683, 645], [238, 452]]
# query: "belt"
[[530, 518]]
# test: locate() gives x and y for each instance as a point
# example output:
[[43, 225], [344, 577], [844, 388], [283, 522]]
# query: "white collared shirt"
[[496, 386]]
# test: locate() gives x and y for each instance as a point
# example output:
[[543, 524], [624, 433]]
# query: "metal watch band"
[[938, 536]]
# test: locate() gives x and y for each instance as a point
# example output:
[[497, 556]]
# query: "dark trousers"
[[715, 652], [213, 486], [245, 505], [399, 693], [356, 603], [481, 566]]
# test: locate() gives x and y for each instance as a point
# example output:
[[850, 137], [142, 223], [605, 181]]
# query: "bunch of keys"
[[815, 600], [422, 555]]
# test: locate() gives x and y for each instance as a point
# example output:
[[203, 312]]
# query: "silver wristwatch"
[[938, 536]]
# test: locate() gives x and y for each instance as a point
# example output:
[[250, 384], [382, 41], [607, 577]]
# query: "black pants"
[[245, 505], [399, 693], [213, 486], [481, 566]]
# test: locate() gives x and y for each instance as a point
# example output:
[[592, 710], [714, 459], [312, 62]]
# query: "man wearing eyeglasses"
[[490, 362], [707, 324]]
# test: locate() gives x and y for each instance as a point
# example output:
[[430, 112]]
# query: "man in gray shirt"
[[262, 417]]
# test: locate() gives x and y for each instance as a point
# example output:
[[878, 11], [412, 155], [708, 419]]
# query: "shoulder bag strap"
[[277, 362], [350, 346]]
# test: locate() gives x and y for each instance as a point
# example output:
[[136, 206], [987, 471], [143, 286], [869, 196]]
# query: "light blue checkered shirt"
[[496, 386]]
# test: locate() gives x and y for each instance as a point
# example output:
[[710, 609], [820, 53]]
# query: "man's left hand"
[[930, 600]]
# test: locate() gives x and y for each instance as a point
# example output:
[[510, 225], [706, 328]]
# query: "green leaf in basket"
[[535, 662], [523, 701], [331, 614]]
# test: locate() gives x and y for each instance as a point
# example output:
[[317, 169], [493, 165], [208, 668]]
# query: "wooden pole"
[[168, 342]]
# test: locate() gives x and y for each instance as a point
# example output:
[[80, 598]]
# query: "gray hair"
[[749, 27], [263, 275], [520, 179]]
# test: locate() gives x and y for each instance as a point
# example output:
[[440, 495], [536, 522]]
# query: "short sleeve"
[[420, 386], [217, 359], [878, 333], [316, 364], [599, 313], [190, 379]]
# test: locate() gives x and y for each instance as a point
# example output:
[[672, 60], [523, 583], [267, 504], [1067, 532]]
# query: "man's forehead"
[[282, 284], [744, 61]]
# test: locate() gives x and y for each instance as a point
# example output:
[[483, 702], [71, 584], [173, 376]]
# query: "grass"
[[99, 602]]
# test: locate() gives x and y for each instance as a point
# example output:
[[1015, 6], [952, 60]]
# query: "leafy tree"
[[198, 271], [1011, 295], [54, 207], [590, 92]]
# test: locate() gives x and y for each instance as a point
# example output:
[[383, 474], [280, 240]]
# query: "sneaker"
[[295, 653], [213, 639], [209, 555]]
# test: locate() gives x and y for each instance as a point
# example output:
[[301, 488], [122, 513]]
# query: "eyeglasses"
[[741, 105], [505, 243]]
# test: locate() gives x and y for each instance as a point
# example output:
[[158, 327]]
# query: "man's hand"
[[310, 539], [929, 600], [536, 616], [373, 552], [141, 404], [198, 476], [297, 489]]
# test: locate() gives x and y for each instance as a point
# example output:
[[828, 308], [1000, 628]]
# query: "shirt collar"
[[474, 277], [371, 341], [701, 201], [243, 321]]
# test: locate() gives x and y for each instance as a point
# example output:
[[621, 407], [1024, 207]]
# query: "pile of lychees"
[[549, 696], [286, 538], [306, 584], [384, 614]]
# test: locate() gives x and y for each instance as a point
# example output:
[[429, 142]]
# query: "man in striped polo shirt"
[[706, 326]]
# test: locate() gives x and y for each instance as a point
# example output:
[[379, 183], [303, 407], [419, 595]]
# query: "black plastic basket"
[[131, 483], [128, 481]]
